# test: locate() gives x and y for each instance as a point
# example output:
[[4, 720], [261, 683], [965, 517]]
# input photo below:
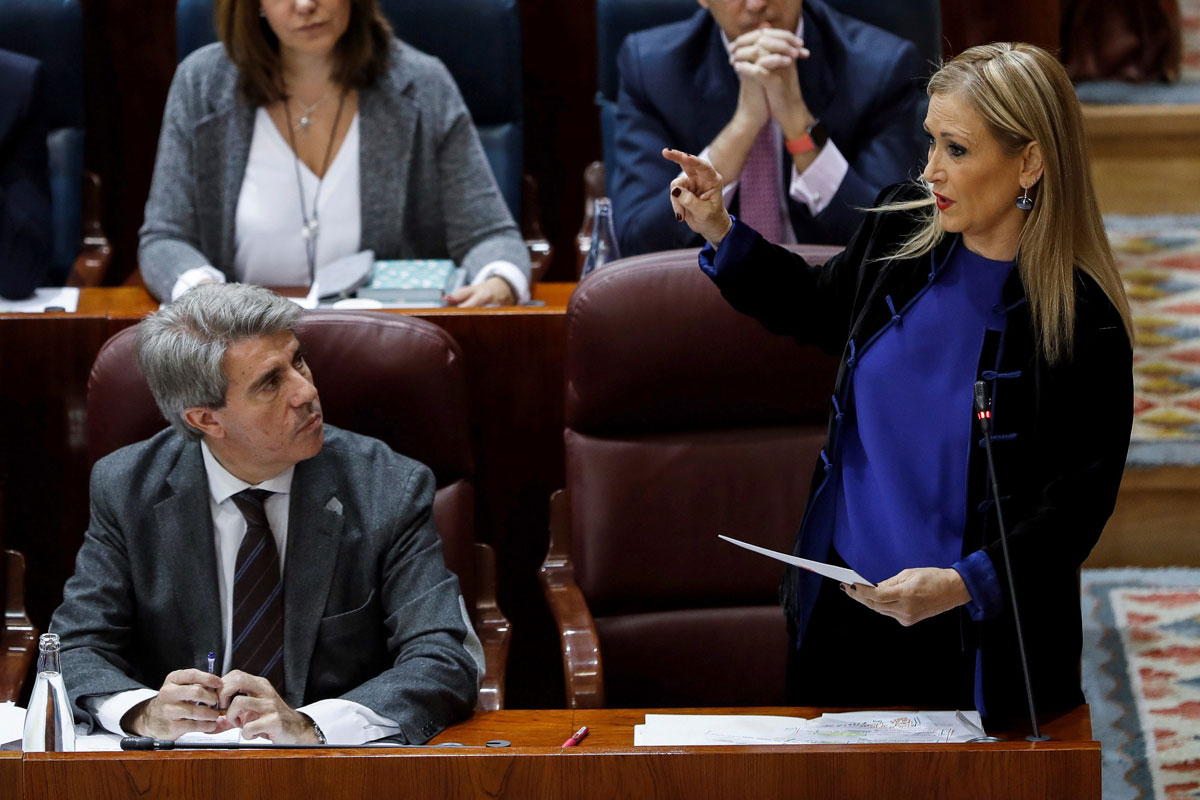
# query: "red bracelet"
[[816, 136], [801, 144]]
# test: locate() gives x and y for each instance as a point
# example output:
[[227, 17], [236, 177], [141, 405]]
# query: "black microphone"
[[983, 413], [983, 406], [146, 743], [150, 743]]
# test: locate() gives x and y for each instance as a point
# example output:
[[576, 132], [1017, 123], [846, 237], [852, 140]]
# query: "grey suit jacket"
[[371, 614], [426, 188]]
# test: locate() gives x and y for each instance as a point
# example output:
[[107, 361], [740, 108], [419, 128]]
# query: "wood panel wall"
[[129, 47], [966, 23]]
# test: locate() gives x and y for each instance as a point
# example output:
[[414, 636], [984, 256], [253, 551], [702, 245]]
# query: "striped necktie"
[[258, 595], [758, 193]]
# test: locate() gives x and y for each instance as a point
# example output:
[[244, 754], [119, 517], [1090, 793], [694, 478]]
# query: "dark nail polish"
[[676, 192]]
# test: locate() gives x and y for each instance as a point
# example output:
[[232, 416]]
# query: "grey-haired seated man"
[[303, 556]]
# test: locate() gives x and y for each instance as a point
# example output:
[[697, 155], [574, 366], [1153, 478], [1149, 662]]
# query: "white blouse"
[[269, 246]]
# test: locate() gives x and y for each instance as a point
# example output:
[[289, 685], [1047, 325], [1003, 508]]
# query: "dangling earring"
[[1025, 202]]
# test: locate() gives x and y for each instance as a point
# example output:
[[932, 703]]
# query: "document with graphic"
[[842, 574]]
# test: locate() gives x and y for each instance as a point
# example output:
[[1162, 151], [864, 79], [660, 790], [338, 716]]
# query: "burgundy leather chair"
[[398, 379], [684, 420]]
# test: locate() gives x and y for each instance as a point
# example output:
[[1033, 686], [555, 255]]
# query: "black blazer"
[[1061, 438]]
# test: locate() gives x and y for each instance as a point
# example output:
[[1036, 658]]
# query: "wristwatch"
[[813, 139]]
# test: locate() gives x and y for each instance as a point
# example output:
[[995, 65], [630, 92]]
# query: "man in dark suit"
[[24, 180], [805, 112], [363, 636]]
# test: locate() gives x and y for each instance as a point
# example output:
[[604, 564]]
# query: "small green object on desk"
[[413, 280]]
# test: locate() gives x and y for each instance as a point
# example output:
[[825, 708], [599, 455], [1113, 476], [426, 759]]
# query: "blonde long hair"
[[1024, 95]]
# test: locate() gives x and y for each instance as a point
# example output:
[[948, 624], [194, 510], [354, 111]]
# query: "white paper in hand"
[[841, 574]]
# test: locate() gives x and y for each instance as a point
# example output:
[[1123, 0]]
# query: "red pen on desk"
[[579, 736]]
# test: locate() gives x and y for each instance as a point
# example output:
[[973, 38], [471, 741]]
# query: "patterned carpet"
[[1141, 676], [1189, 17], [1159, 258]]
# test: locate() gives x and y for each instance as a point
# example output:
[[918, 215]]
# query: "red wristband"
[[801, 144], [815, 137]]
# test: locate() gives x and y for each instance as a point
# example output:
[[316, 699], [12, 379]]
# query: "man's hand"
[[767, 57], [913, 594], [256, 708], [187, 702], [752, 111], [492, 292]]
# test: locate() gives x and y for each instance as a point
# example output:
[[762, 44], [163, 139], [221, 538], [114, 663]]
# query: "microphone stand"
[[983, 412]]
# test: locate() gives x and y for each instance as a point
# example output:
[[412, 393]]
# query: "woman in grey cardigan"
[[309, 134]]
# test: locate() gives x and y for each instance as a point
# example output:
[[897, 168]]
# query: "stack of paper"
[[54, 298], [855, 727]]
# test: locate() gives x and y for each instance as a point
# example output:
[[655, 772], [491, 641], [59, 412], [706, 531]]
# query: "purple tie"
[[758, 194], [257, 595]]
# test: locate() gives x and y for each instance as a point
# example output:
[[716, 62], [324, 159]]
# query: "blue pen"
[[212, 670]]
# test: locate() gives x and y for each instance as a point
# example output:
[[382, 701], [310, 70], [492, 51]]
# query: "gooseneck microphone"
[[150, 743], [983, 412]]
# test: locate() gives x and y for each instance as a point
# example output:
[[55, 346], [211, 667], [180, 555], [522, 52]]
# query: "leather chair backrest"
[[684, 420], [396, 378], [52, 32], [919, 21], [478, 40]]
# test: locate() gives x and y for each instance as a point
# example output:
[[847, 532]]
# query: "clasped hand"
[[913, 594], [189, 701], [765, 61]]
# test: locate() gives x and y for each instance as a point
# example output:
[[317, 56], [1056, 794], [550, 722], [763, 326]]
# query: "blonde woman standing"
[[995, 267]]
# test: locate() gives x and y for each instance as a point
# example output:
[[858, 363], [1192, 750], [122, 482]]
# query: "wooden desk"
[[10, 775], [514, 362], [605, 765]]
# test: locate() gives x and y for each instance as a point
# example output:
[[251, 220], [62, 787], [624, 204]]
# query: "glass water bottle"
[[49, 723], [604, 238]]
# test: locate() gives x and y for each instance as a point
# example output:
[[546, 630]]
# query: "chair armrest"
[[95, 256], [540, 250], [582, 668], [18, 638], [593, 190], [493, 630]]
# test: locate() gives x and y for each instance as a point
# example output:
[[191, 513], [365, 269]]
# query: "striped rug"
[[1141, 677], [1159, 260]]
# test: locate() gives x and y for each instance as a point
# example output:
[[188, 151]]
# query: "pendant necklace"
[[312, 224], [306, 114]]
